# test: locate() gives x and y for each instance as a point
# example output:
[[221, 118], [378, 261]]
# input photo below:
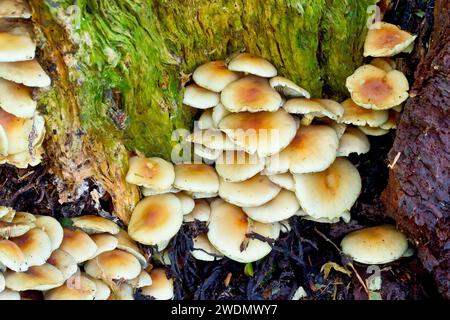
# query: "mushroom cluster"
[[22, 128]]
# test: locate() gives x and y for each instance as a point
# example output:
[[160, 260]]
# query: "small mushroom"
[[153, 173], [78, 244], [391, 122], [105, 242], [387, 40], [2, 282], [200, 212], [16, 99], [218, 113], [24, 217], [41, 278], [102, 291], [375, 245], [359, 116], [16, 45], [94, 224], [250, 94], [161, 287], [207, 153], [129, 245], [196, 178], [205, 121], [28, 73], [373, 88], [203, 249], [142, 280], [213, 139], [311, 108], [288, 88], [11, 256], [238, 166], [283, 180], [373, 131], [384, 63], [250, 63], [353, 141], [187, 203], [200, 98], [52, 228], [122, 291], [15, 9], [214, 75], [64, 262], [7, 214], [12, 229], [35, 245], [113, 265], [78, 287], [9, 295]]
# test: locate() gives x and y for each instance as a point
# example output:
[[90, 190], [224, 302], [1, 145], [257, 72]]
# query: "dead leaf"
[[326, 268]]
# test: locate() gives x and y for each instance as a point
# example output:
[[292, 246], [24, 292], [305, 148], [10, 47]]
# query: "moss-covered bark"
[[118, 69]]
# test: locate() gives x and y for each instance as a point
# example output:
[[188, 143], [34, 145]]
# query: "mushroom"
[[313, 149], [353, 141], [162, 257], [359, 116], [218, 113], [288, 88], [28, 73], [375, 245], [213, 139], [142, 280], [15, 9], [196, 178], [23, 160], [11, 256], [386, 40], [200, 98], [187, 203], [122, 291], [251, 94], [153, 173], [265, 133], [228, 231], [328, 193], [238, 166], [203, 195], [9, 295], [282, 207], [214, 75], [78, 244], [24, 217], [16, 99], [384, 64], [391, 122], [78, 287], [200, 212], [16, 45], [94, 224], [249, 193], [7, 214], [207, 153], [373, 88], [105, 242], [102, 291], [283, 180], [372, 131], [2, 282], [52, 228], [12, 229], [113, 265], [205, 121], [129, 245], [311, 108], [41, 278], [250, 63], [64, 262], [35, 245], [161, 287], [151, 192], [156, 219], [203, 249]]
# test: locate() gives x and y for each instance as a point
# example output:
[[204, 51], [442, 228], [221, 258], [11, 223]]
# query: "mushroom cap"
[[203, 249], [385, 64], [7, 214], [12, 229], [283, 180], [78, 287], [200, 98], [2, 282], [187, 203], [250, 94], [391, 122], [265, 133], [313, 149], [28, 73], [129, 245], [153, 173], [207, 153], [41, 278], [151, 192], [238, 166], [386, 41], [94, 224], [249, 193], [288, 88], [142, 280], [9, 295], [196, 178], [16, 99], [64, 262], [353, 141], [122, 291], [102, 291], [161, 287], [16, 45], [105, 242], [314, 107], [113, 265], [373, 88], [328, 193], [205, 121], [214, 75], [373, 131], [155, 219], [200, 212], [282, 207], [15, 9], [227, 231], [359, 116], [25, 159], [11, 256], [250, 63], [218, 113], [213, 139], [203, 195], [52, 228], [375, 245], [78, 244], [35, 245], [24, 217]]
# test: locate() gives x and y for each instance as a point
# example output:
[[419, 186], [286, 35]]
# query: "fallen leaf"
[[326, 268]]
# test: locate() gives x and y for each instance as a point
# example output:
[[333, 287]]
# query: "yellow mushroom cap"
[[200, 98], [218, 113], [155, 219], [313, 149], [386, 41], [78, 244], [161, 287], [250, 94], [196, 178], [102, 291], [41, 278], [129, 245], [227, 231], [288, 88], [152, 173], [9, 295], [311, 108], [373, 131], [359, 116], [265, 133], [374, 88], [24, 217], [238, 166], [213, 139], [94, 224], [328, 193], [250, 63], [249, 193], [200, 212], [113, 265], [283, 180], [187, 203], [35, 245], [64, 262], [12, 229], [16, 45], [214, 75], [375, 245], [14, 9], [205, 121], [353, 141], [28, 73], [105, 242], [142, 280], [282, 207], [384, 63], [78, 287], [52, 228], [11, 256], [203, 249], [16, 99], [391, 122]]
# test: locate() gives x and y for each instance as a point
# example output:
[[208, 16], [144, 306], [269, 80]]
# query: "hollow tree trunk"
[[118, 68]]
